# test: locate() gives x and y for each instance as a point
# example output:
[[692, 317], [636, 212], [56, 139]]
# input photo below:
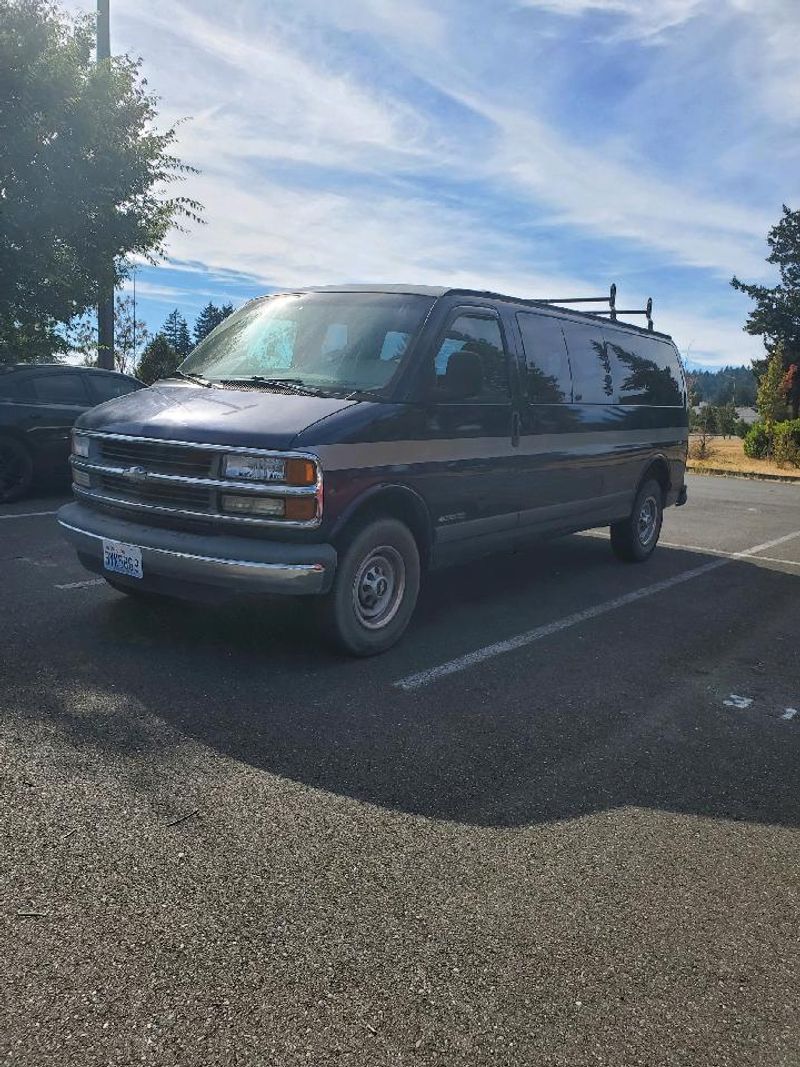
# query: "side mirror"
[[464, 375]]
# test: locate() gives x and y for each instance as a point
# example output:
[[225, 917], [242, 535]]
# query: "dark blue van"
[[338, 442]]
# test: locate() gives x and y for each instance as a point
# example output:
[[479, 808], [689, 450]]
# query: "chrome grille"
[[158, 457], [164, 494], [172, 483]]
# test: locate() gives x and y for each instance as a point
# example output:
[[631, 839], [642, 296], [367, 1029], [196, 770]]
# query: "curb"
[[753, 476]]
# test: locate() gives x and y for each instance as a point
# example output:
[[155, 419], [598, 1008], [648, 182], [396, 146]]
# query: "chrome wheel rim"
[[378, 587], [648, 518]]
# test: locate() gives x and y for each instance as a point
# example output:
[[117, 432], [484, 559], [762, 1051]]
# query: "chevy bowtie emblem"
[[135, 474]]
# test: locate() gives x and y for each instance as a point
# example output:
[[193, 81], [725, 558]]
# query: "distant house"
[[748, 415]]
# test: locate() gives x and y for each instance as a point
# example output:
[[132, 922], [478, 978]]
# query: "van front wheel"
[[634, 539], [375, 589]]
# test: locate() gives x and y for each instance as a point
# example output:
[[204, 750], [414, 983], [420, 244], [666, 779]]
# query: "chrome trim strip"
[[298, 568], [241, 450], [268, 488], [208, 516]]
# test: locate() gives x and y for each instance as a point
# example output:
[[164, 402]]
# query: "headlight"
[[80, 446], [290, 508], [270, 469], [253, 505], [254, 468]]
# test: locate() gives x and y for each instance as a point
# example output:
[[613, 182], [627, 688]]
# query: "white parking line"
[[471, 659], [721, 552], [28, 515], [82, 585]]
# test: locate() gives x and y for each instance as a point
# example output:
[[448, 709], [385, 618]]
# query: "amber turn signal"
[[300, 508], [300, 472]]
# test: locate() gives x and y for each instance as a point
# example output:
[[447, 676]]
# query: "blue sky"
[[537, 147]]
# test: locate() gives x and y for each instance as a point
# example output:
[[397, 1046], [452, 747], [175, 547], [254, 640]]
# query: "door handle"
[[516, 423]]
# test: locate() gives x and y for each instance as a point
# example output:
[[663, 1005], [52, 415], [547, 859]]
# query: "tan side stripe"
[[449, 450]]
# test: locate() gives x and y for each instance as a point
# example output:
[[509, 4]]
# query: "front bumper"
[[187, 563]]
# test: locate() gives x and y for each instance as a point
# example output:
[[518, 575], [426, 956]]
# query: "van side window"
[[590, 359], [470, 364], [547, 374], [646, 370]]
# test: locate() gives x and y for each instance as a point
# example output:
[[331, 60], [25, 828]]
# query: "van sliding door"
[[561, 477]]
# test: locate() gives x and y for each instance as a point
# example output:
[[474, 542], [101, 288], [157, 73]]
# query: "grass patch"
[[728, 454]]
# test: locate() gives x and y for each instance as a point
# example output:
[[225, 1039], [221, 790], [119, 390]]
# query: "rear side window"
[[108, 386], [646, 370], [547, 373], [590, 359], [59, 389], [477, 340]]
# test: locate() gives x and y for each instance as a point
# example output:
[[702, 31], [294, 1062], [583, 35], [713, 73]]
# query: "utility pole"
[[105, 300]]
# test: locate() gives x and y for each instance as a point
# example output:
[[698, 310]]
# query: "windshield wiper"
[[294, 385], [198, 379]]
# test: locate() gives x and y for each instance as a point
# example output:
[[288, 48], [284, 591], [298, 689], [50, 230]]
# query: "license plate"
[[122, 558]]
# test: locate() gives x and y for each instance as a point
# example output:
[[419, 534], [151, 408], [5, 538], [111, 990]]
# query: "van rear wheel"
[[634, 539], [375, 590]]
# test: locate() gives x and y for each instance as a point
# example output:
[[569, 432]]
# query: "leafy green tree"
[[209, 318], [776, 316], [791, 389], [129, 336], [159, 360], [703, 424], [85, 176], [771, 398], [707, 419], [726, 419], [176, 331]]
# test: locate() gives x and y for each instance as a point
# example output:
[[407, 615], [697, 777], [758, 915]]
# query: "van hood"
[[178, 411]]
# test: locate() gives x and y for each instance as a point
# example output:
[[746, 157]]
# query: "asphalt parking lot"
[[557, 825]]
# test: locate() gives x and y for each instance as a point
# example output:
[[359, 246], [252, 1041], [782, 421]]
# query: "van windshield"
[[338, 342]]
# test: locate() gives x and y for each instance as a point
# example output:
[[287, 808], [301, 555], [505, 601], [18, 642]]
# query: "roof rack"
[[611, 300]]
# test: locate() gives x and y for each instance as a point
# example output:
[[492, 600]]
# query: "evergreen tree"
[[726, 419], [776, 316], [209, 318], [159, 360], [176, 331], [771, 399]]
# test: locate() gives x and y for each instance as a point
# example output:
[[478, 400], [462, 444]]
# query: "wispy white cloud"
[[628, 18], [255, 94], [449, 142]]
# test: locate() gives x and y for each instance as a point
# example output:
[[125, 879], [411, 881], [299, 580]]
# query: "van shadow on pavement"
[[625, 710]]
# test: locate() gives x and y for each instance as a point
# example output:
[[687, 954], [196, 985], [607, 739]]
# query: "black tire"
[[634, 539], [16, 470], [375, 590]]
